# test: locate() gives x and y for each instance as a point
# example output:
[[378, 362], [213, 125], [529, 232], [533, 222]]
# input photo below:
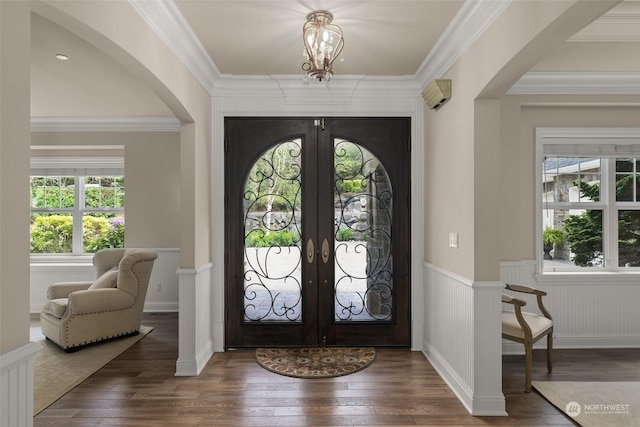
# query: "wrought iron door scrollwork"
[[272, 236], [363, 197]]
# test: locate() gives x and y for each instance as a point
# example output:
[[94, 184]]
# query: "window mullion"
[[77, 215], [609, 216]]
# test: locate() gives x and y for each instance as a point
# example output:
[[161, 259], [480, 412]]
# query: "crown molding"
[[619, 25], [473, 18], [105, 124], [577, 83], [164, 17], [166, 20], [293, 90]]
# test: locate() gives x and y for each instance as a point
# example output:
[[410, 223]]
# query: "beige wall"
[[152, 173], [152, 176], [521, 115], [117, 29], [462, 139], [592, 56], [14, 175]]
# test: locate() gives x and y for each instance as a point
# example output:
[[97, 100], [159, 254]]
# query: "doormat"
[[315, 362]]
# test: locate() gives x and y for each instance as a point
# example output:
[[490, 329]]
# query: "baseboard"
[[192, 367], [449, 376]]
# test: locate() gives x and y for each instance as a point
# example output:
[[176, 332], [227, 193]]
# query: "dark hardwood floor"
[[401, 388]]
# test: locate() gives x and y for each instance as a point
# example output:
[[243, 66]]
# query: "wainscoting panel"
[[162, 294], [462, 338], [16, 386], [589, 310], [195, 339]]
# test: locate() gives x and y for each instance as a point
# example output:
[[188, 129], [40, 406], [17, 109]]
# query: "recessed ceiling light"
[[62, 56]]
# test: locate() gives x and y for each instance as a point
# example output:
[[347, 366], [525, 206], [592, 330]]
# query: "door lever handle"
[[310, 251]]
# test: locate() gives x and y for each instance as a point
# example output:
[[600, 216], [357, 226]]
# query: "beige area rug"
[[56, 372], [599, 404], [315, 362]]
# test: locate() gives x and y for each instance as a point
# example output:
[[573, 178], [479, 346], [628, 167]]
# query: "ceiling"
[[259, 37]]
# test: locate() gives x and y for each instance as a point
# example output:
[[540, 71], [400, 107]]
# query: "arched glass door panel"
[[272, 235], [363, 200]]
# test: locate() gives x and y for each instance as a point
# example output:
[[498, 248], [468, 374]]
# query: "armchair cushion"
[[107, 280], [536, 322], [56, 307]]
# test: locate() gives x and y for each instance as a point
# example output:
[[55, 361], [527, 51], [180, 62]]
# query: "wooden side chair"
[[527, 328]]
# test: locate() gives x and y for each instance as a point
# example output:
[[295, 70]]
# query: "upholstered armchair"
[[80, 313], [527, 328]]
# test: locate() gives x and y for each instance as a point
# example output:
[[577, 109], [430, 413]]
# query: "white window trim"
[[590, 142], [77, 167]]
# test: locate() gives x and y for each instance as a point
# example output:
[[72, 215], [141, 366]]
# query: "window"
[[76, 210], [588, 199]]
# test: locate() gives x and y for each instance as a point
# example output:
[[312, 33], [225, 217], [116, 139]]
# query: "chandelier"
[[323, 43]]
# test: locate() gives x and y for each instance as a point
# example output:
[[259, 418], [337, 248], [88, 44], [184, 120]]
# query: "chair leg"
[[549, 352], [528, 362]]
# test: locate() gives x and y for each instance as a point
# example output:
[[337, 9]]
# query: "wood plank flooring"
[[401, 388]]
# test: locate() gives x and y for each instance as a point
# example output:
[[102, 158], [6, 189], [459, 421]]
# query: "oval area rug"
[[315, 362]]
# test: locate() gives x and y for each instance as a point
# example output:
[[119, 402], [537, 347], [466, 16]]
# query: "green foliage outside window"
[[53, 203], [584, 231], [352, 186], [260, 239], [53, 233]]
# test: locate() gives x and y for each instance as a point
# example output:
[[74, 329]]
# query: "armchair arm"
[[99, 300], [63, 289], [513, 301], [533, 291], [518, 304]]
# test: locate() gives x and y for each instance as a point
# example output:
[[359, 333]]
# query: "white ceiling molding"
[[469, 23], [620, 25], [577, 83], [164, 17], [72, 166], [105, 124], [77, 147], [169, 24], [291, 91]]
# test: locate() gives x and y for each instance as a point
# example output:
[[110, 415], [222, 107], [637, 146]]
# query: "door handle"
[[325, 251], [310, 251]]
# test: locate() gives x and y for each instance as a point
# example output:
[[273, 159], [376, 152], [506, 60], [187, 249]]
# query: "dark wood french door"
[[317, 241]]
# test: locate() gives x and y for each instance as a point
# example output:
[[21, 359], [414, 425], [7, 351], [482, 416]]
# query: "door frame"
[[344, 99], [387, 139]]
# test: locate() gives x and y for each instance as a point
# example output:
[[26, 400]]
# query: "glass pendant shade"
[[323, 43]]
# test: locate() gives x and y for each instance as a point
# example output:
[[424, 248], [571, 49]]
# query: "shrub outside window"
[[76, 214]]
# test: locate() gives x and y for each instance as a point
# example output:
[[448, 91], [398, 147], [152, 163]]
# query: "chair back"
[[106, 259]]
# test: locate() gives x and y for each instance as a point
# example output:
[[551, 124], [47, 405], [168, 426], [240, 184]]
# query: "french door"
[[317, 236]]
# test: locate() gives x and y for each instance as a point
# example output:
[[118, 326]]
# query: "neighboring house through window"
[[77, 204], [588, 199]]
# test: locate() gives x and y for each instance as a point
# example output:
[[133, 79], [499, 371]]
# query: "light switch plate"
[[453, 240]]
